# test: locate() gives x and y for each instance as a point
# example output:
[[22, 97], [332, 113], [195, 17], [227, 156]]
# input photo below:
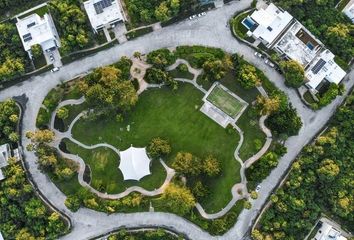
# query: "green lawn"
[[225, 101], [176, 117], [106, 176]]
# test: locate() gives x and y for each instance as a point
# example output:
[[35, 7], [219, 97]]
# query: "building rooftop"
[[324, 67], [299, 44], [5, 152], [349, 10], [37, 30], [103, 12], [328, 232], [271, 21]]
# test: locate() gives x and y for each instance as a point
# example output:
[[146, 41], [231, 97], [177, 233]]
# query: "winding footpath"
[[211, 30], [59, 136]]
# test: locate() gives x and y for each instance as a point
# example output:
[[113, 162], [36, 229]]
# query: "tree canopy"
[[294, 73]]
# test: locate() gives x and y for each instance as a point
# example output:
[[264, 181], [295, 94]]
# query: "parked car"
[[192, 17], [257, 54], [203, 13], [267, 61], [56, 69], [258, 188]]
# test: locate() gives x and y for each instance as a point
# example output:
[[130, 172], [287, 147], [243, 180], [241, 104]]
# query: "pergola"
[[134, 163]]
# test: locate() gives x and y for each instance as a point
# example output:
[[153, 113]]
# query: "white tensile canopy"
[[134, 163]]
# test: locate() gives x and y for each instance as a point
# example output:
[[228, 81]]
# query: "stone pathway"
[[59, 136]]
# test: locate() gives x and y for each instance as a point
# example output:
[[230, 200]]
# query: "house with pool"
[[276, 29]]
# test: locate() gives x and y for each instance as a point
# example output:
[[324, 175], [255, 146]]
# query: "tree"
[[186, 163], [159, 147], [36, 51], [63, 113], [247, 205], [162, 12], [294, 73], [328, 170], [254, 195], [339, 38], [161, 58], [268, 105], [41, 136], [137, 55], [211, 166], [14, 137], [214, 70], [199, 190], [178, 199], [247, 76]]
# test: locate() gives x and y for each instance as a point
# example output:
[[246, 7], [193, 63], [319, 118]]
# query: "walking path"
[[212, 31], [59, 136]]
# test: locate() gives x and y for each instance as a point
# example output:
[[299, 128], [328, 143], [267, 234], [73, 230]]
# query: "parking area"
[[52, 56]]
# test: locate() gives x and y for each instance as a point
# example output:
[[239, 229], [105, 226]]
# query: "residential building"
[[328, 232], [278, 30], [349, 10], [5, 154], [35, 29], [1, 237], [104, 13]]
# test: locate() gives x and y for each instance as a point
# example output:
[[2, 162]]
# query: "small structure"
[[1, 237], [134, 163], [278, 30], [103, 13], [34, 29], [5, 154], [328, 232], [222, 106], [349, 10]]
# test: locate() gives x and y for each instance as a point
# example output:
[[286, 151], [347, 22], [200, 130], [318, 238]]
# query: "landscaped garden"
[[167, 121]]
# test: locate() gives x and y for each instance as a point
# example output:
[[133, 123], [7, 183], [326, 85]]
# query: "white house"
[[5, 154], [279, 31], [349, 10], [267, 24], [328, 232], [103, 13], [34, 30]]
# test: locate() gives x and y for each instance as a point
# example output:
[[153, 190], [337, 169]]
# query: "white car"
[[257, 54], [203, 13], [192, 17], [258, 188], [56, 69], [267, 61]]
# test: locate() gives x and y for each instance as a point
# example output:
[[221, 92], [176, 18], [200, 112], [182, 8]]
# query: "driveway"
[[210, 30]]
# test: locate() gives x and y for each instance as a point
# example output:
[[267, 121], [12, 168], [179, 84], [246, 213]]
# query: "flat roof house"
[[328, 232], [103, 13], [279, 31], [34, 29], [5, 154], [349, 10], [267, 24]]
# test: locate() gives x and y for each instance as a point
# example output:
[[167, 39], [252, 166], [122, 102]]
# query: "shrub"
[[161, 58]]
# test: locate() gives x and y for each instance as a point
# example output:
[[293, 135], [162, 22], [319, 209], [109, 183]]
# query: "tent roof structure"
[[134, 163]]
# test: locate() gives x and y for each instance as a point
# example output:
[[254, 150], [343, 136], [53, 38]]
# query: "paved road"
[[210, 30]]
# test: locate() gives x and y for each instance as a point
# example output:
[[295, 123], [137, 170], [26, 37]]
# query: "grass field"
[[225, 101], [106, 177], [174, 116]]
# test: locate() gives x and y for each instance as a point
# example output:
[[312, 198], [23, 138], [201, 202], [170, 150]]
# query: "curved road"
[[210, 30]]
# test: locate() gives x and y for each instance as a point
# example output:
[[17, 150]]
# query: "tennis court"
[[226, 102]]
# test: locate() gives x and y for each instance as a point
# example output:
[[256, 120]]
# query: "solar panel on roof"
[[31, 24], [99, 6], [318, 66]]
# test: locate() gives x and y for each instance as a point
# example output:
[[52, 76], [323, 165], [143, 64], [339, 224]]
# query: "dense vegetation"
[[14, 61], [8, 122], [158, 234], [321, 180], [11, 7], [145, 12], [72, 25], [23, 215], [326, 22]]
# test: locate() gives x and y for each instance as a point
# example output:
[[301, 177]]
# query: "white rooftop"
[[1, 238], [327, 232], [5, 152], [34, 29], [271, 22], [324, 67], [349, 10], [103, 12], [134, 163], [295, 48]]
